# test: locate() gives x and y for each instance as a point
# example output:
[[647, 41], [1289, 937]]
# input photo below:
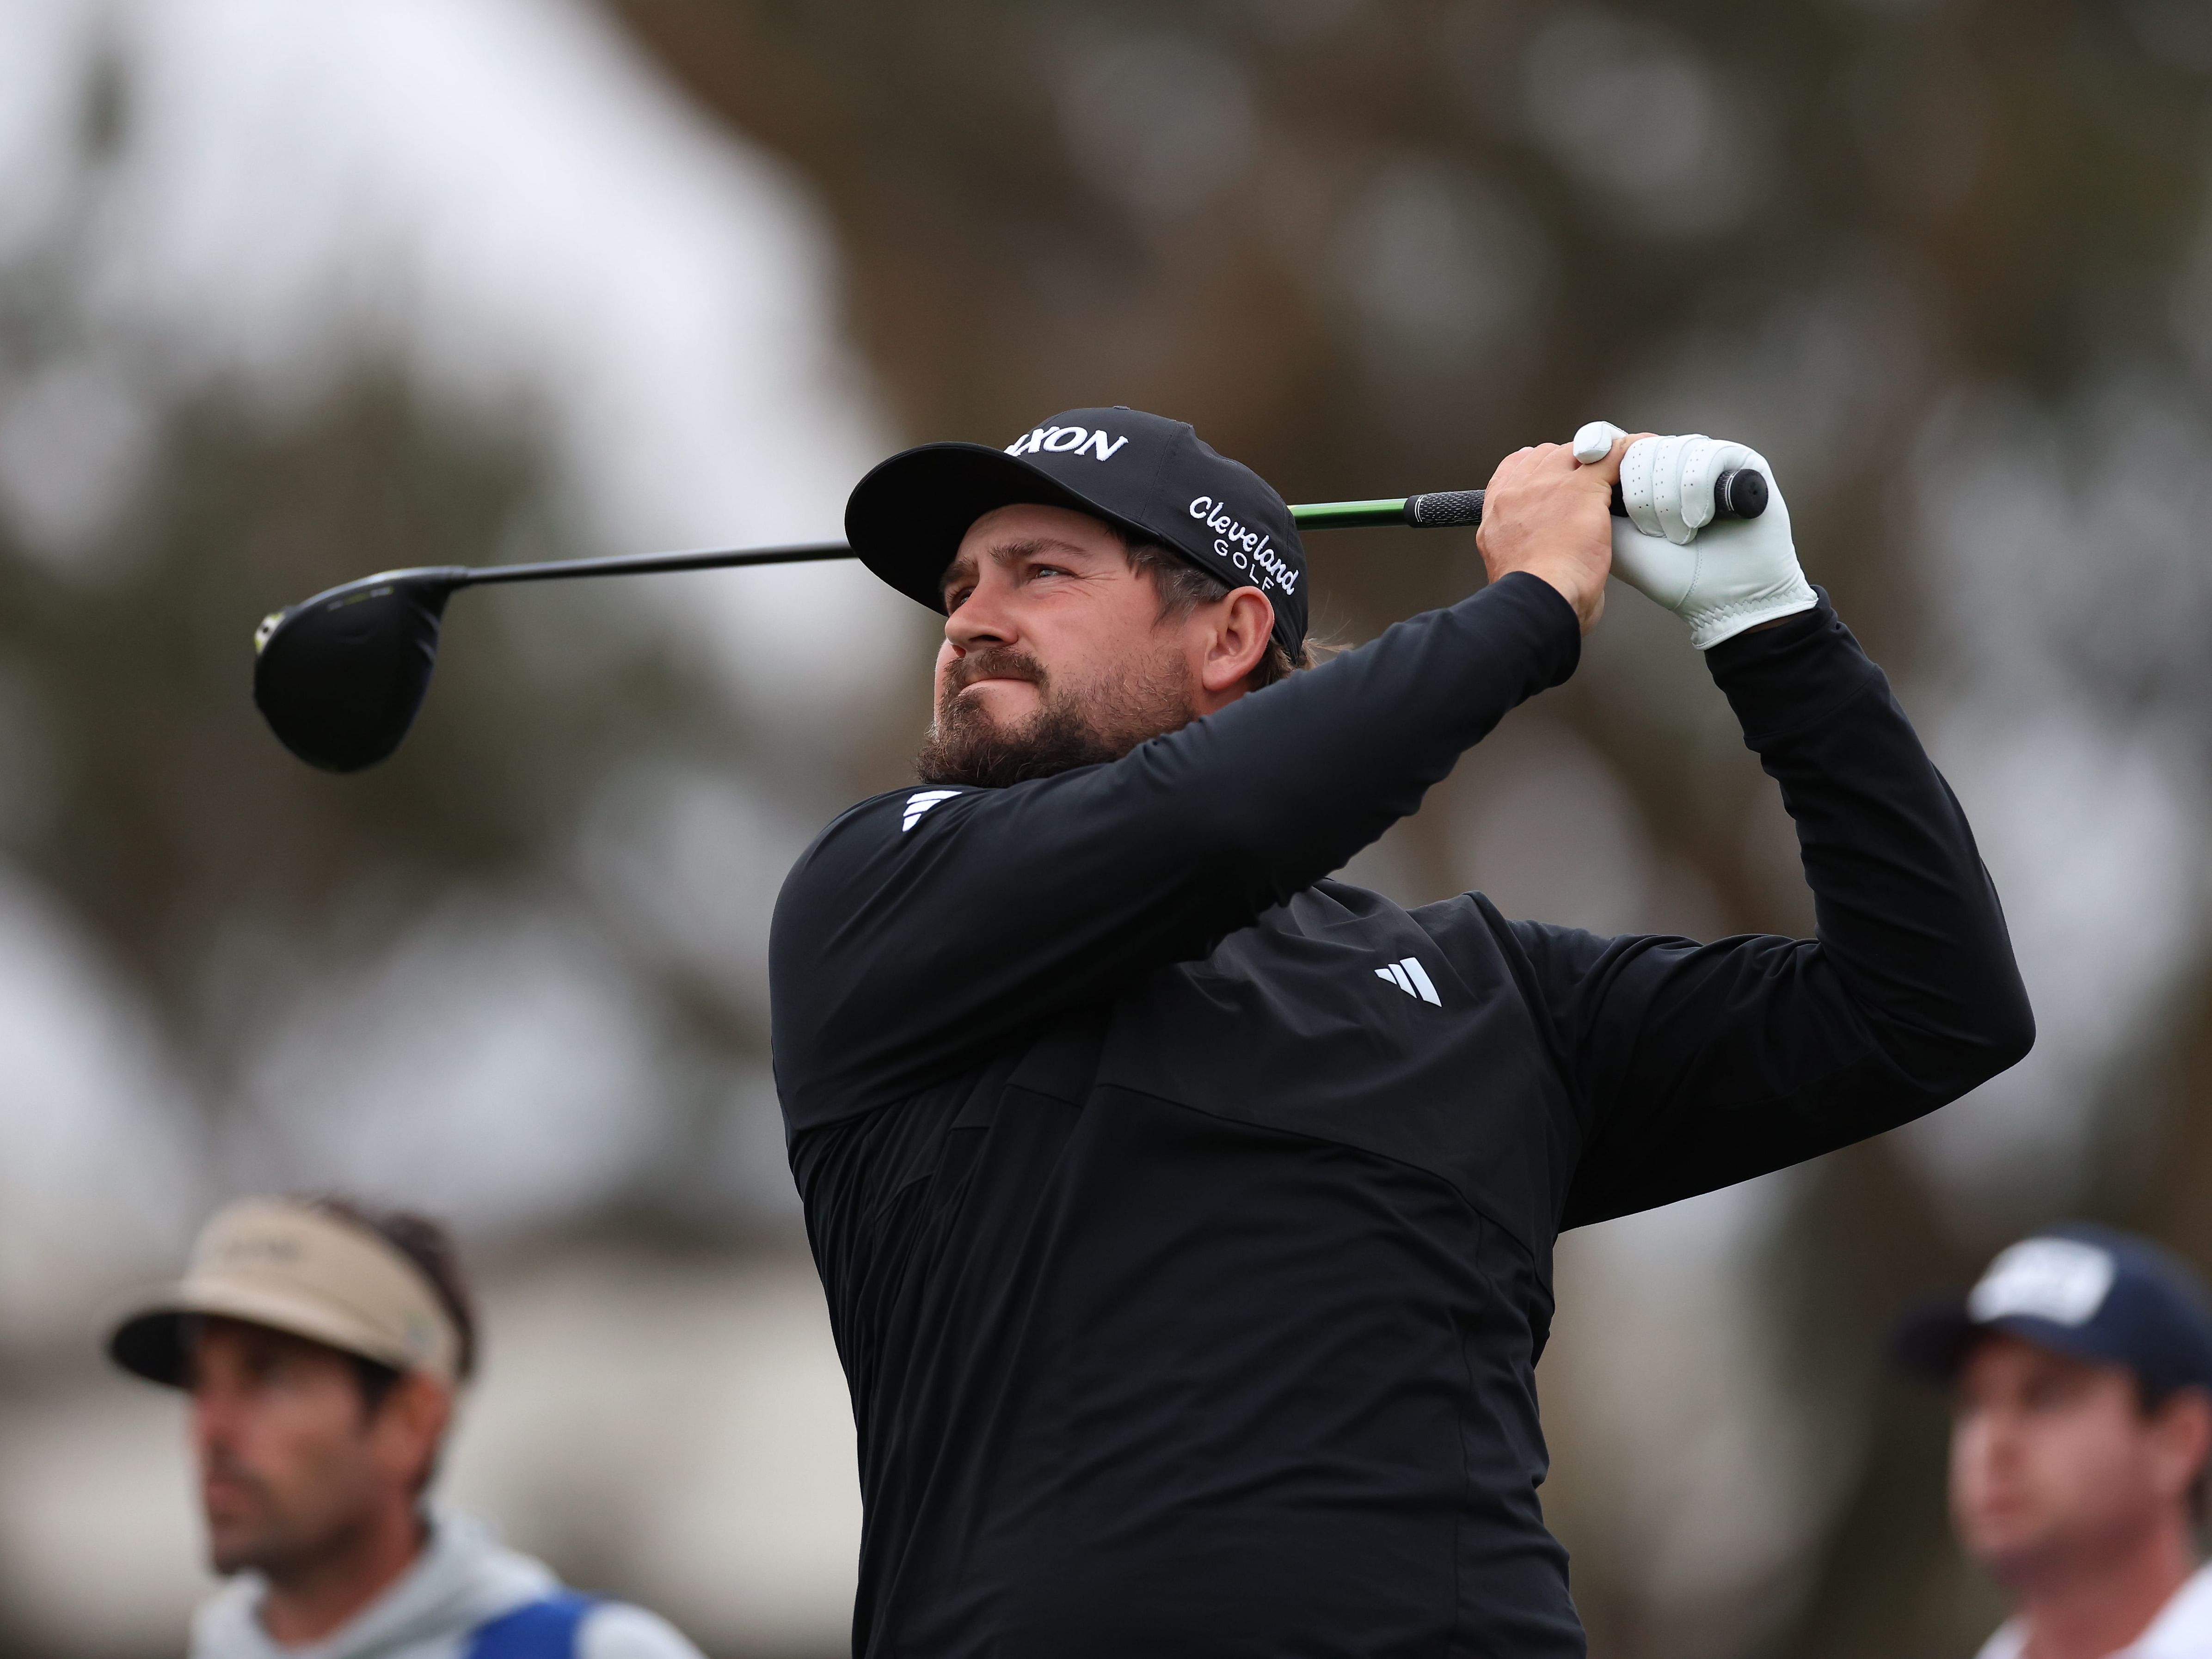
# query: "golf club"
[[339, 677]]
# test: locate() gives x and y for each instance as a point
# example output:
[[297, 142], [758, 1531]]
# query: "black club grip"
[[1737, 494], [1445, 508]]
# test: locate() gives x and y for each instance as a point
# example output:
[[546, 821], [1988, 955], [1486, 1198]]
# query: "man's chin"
[[2011, 1549], [1006, 703], [996, 732], [967, 747], [236, 1547]]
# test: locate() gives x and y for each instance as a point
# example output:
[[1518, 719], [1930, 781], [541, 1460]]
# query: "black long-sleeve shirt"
[[1187, 1216]]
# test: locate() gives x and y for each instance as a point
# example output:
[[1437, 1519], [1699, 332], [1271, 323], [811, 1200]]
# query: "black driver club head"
[[339, 676]]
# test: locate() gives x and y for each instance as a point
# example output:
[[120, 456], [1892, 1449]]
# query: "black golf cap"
[[1151, 478], [2093, 1292]]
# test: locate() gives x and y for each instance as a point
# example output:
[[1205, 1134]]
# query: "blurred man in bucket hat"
[[2082, 1370], [324, 1344]]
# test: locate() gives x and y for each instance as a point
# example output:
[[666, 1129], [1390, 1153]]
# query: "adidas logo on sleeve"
[[1409, 977], [921, 801]]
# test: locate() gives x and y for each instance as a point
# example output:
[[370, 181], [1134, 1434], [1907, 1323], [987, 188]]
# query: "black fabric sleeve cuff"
[[1782, 679], [1554, 632]]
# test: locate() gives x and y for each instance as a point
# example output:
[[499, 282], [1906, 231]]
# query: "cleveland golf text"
[[1246, 549]]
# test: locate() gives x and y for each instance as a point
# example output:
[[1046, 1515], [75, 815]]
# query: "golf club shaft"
[[1331, 515], [1735, 497], [645, 564]]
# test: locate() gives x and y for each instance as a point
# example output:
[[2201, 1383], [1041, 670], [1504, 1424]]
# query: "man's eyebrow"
[[1005, 552]]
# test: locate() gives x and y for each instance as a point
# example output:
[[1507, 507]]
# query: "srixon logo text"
[[1245, 549], [1062, 440]]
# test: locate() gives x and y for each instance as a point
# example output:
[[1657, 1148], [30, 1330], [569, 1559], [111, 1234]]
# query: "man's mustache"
[[219, 1463], [993, 662]]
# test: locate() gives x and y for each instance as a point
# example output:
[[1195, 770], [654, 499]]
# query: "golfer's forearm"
[[1907, 916], [1283, 787]]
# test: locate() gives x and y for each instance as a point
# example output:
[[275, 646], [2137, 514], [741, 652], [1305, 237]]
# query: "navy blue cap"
[[1152, 478], [2093, 1292]]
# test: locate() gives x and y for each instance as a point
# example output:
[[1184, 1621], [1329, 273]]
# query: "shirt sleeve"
[[616, 1630], [906, 944], [1694, 1066]]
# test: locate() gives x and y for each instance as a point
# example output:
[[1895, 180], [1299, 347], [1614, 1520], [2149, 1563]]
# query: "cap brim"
[[151, 1342], [906, 518], [1932, 1341]]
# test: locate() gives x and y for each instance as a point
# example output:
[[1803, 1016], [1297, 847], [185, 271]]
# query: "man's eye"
[[1050, 570]]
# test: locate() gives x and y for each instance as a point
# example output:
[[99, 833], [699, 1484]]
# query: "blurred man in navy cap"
[[2081, 1366]]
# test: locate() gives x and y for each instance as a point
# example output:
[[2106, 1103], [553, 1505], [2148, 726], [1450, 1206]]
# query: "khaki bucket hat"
[[294, 1267]]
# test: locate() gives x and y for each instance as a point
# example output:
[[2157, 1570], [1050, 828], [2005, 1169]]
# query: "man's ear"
[[409, 1426], [2184, 1422], [1239, 625]]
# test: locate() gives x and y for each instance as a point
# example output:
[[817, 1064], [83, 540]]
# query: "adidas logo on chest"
[[1409, 977], [920, 802]]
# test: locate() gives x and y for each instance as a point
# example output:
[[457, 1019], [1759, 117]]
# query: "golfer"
[[2081, 1370], [324, 1344], [1186, 1214]]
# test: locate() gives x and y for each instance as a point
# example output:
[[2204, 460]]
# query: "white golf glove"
[[1720, 577]]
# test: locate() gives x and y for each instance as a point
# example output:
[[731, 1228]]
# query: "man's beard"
[[264, 1538], [1123, 710]]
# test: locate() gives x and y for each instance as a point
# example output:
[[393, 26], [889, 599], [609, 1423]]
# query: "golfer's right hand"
[[1547, 514]]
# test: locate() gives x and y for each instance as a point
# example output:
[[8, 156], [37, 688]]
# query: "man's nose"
[[207, 1426], [1998, 1438], [982, 620], [214, 1421]]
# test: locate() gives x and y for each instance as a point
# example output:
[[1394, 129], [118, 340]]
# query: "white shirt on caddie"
[[2183, 1629]]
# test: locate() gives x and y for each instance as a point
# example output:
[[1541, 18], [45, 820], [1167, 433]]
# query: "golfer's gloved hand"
[[1722, 577]]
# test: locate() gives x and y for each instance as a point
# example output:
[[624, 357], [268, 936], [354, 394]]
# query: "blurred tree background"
[[1943, 261]]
